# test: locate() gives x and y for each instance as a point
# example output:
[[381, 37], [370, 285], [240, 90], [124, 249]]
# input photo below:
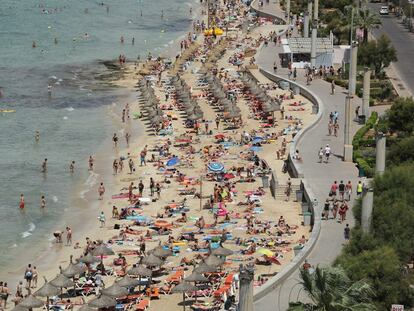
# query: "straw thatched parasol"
[[115, 291], [139, 270], [87, 308], [214, 261], [161, 252], [102, 250], [31, 302], [184, 287], [62, 281], [222, 251], [152, 261], [73, 269], [47, 290], [204, 268], [88, 259], [127, 281], [102, 302], [196, 277]]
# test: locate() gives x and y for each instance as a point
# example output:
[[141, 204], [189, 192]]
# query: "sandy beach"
[[200, 207]]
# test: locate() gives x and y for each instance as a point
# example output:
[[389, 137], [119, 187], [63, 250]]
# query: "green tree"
[[378, 54], [401, 151], [401, 116], [382, 268], [368, 21], [330, 289]]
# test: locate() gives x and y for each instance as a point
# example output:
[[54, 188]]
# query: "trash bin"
[[362, 119], [284, 85], [297, 249], [299, 195], [361, 172], [315, 109], [307, 218], [295, 89], [305, 207], [265, 181]]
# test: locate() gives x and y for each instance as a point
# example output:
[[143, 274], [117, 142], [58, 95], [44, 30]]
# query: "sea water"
[[72, 40]]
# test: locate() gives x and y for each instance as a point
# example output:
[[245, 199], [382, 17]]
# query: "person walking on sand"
[[142, 158], [131, 166], [35, 276], [43, 202], [21, 204], [91, 160], [152, 186], [217, 122], [68, 236], [28, 275], [115, 166], [101, 191], [115, 140], [141, 188], [127, 137], [4, 294], [131, 191], [158, 190], [102, 219]]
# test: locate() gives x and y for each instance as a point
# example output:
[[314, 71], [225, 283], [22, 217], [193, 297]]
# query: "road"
[[403, 42]]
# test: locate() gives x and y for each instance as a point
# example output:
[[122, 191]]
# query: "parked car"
[[384, 10]]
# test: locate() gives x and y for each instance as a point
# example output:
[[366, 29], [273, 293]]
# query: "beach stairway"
[[280, 192]]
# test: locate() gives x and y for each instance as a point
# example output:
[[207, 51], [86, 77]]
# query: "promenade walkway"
[[318, 175]]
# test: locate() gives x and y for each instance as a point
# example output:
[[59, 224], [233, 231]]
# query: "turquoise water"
[[75, 121]]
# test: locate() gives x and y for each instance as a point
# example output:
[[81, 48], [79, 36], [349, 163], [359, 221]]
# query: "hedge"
[[360, 141]]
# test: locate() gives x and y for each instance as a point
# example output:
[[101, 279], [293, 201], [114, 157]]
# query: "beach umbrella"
[[204, 268], [73, 269], [102, 250], [196, 277], [31, 302], [152, 260], [184, 287], [266, 252], [215, 167], [88, 259], [139, 270], [127, 281], [214, 261], [222, 251], [115, 291], [62, 281], [173, 161], [102, 302], [87, 308], [161, 252], [47, 290]]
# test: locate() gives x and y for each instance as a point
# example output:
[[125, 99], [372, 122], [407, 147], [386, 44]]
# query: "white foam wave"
[[55, 198], [65, 118], [13, 246], [70, 109], [83, 193], [28, 233], [53, 77], [92, 179]]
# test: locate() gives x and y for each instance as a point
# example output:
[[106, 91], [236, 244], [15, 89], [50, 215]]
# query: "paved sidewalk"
[[319, 176]]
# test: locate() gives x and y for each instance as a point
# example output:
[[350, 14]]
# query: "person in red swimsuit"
[[21, 204]]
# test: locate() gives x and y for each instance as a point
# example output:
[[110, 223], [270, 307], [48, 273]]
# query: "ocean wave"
[[70, 109], [13, 246], [55, 199], [91, 180], [65, 118], [28, 233]]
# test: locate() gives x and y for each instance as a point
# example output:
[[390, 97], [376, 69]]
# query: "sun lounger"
[[142, 305]]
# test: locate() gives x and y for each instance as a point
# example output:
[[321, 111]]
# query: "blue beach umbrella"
[[255, 148], [173, 161], [215, 167]]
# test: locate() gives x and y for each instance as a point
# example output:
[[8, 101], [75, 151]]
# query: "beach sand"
[[194, 165]]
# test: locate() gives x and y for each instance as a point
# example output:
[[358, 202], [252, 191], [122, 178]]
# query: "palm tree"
[[330, 289], [368, 20]]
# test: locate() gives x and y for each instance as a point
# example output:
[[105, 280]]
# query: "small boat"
[[7, 110]]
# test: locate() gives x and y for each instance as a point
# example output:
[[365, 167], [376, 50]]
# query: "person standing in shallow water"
[[21, 204]]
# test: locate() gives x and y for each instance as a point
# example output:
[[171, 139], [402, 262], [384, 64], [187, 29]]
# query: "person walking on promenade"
[[320, 155], [330, 127], [341, 188], [327, 153], [348, 189], [360, 188], [347, 233], [333, 87], [336, 129]]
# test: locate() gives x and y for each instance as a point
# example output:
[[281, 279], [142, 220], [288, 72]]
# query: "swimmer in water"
[[56, 42], [91, 160], [43, 202], [72, 167], [49, 90], [44, 166], [34, 44], [133, 40], [122, 39], [141, 12], [37, 136], [21, 204], [107, 9], [162, 14]]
